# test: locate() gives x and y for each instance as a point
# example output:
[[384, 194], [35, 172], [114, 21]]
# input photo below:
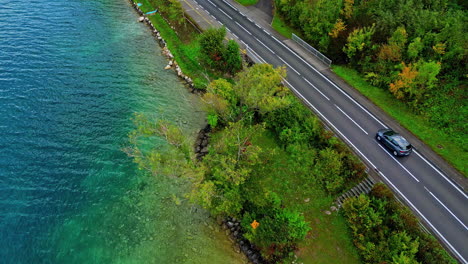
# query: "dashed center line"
[[225, 13], [404, 168], [265, 46], [466, 228], [351, 120], [289, 66], [313, 86], [243, 28]]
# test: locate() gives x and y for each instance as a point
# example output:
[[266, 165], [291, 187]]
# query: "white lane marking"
[[416, 179], [228, 30], [289, 66], [394, 187], [250, 19], [212, 3], [230, 5], [313, 86], [235, 35], [244, 29], [466, 228], [241, 13], [425, 219], [266, 31], [352, 120], [339, 89], [225, 13], [330, 123], [441, 174], [265, 46], [255, 54], [258, 25], [438, 171]]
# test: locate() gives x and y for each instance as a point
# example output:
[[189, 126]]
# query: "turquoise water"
[[72, 73]]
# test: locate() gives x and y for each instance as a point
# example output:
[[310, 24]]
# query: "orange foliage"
[[347, 10], [337, 28], [405, 81], [255, 224], [389, 52], [439, 48]]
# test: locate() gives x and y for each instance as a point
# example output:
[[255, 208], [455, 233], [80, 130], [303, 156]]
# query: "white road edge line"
[[327, 121], [466, 228], [265, 46], [441, 174], [394, 187], [289, 65], [352, 120], [246, 30], [230, 5], [323, 76], [313, 86], [212, 3], [416, 179], [372, 164], [225, 13], [425, 219]]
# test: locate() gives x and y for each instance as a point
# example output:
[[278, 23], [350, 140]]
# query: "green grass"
[[330, 240], [247, 2], [186, 52], [279, 25], [419, 126]]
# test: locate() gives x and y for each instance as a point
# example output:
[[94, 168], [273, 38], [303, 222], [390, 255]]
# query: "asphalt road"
[[436, 199]]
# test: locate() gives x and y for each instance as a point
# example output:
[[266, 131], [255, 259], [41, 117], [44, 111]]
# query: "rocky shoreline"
[[233, 230], [165, 51], [231, 225]]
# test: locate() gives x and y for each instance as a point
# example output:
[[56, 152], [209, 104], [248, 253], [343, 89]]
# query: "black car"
[[394, 141]]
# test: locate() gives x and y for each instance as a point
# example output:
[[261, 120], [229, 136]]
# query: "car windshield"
[[389, 133], [401, 141]]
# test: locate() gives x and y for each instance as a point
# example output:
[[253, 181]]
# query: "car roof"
[[400, 140]]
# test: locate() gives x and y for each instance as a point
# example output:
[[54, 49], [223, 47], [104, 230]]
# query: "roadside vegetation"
[[281, 27], [269, 160], [387, 232], [414, 51], [247, 2]]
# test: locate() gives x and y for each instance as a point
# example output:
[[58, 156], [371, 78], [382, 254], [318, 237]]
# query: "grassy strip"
[[247, 2], [419, 126], [186, 54], [281, 27]]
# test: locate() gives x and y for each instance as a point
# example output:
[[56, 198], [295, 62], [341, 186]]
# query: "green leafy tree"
[[212, 46], [358, 41], [259, 88], [232, 57]]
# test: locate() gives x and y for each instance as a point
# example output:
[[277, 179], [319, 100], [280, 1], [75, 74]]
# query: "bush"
[[387, 232]]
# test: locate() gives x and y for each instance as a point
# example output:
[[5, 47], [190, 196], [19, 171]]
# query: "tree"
[[259, 88], [337, 28], [211, 45], [358, 41], [278, 233], [415, 80], [221, 100], [415, 48], [232, 57]]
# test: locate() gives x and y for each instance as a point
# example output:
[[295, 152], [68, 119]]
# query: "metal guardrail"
[[312, 50]]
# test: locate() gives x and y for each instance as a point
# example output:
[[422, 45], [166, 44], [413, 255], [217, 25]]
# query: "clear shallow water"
[[72, 73]]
